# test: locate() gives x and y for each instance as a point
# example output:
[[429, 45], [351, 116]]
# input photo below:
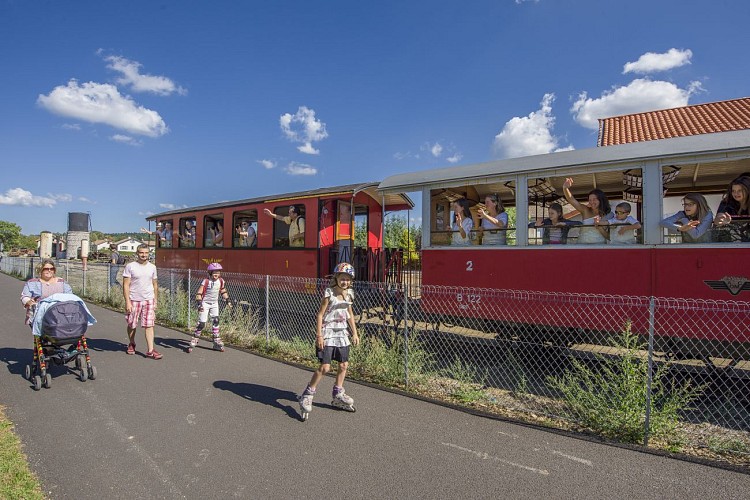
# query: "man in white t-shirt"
[[140, 288]]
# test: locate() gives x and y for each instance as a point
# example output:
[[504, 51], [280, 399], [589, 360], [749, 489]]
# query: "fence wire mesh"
[[633, 368]]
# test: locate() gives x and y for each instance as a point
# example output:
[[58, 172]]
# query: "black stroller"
[[59, 325]]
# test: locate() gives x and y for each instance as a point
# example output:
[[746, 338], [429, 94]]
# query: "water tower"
[[78, 235]]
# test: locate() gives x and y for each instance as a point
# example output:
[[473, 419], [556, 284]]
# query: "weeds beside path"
[[16, 480]]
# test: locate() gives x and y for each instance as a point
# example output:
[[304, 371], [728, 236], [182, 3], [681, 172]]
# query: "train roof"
[[717, 146], [393, 201]]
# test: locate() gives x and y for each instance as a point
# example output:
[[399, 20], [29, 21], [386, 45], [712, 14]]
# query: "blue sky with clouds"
[[125, 109]]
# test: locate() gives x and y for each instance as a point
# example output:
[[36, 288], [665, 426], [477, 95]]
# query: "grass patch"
[[16, 479]]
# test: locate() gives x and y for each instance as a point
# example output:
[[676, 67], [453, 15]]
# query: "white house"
[[128, 245], [100, 245]]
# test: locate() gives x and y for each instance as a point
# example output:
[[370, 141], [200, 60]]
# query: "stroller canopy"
[[61, 316]]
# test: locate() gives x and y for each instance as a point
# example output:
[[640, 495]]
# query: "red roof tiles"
[[723, 116]]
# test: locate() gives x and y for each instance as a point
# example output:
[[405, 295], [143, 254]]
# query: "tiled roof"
[[723, 116]]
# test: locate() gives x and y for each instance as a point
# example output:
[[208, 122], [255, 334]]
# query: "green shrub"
[[610, 398]]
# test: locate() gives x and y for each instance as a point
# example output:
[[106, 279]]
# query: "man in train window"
[[296, 223]]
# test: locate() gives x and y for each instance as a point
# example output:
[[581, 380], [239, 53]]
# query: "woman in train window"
[[462, 223], [595, 215], [733, 217], [694, 221], [494, 221]]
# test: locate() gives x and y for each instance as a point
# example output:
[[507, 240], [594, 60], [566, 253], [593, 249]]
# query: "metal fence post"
[[189, 295], [172, 294], [109, 285], [647, 422], [83, 278], [406, 334], [268, 329]]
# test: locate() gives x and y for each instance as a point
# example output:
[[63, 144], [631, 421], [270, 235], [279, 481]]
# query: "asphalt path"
[[222, 425]]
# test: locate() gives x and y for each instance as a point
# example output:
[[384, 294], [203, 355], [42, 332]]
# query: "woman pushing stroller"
[[42, 287]]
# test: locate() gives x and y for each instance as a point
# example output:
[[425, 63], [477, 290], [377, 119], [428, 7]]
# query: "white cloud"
[[436, 150], [171, 206], [147, 213], [638, 96], [651, 62], [408, 154], [304, 128], [71, 126], [85, 200], [295, 168], [21, 197], [268, 164], [519, 2], [103, 103], [126, 139], [528, 135], [132, 77], [455, 158]]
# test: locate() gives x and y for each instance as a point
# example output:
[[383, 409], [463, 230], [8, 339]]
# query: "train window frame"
[[239, 217], [280, 236], [184, 241], [209, 233], [161, 233]]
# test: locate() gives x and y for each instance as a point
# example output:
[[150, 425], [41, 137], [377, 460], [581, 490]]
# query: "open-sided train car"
[[652, 177]]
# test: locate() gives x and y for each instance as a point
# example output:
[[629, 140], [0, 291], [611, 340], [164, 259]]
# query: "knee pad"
[[200, 327], [216, 321]]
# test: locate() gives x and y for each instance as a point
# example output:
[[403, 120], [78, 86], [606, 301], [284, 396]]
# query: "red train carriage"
[[245, 239], [651, 178]]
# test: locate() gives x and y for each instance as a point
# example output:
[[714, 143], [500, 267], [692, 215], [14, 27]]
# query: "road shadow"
[[262, 394], [16, 359], [173, 343], [101, 345]]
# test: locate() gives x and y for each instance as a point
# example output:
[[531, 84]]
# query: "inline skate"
[[305, 404], [193, 342], [342, 401], [218, 343]]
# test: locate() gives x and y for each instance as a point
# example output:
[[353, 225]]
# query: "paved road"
[[220, 425]]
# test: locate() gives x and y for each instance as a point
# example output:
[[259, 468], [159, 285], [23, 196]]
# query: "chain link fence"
[[673, 372]]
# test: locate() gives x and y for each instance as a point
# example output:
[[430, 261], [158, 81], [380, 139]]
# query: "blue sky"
[[125, 109]]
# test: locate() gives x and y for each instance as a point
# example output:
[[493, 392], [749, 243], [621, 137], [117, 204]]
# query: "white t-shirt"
[[468, 224], [335, 325], [141, 280], [628, 238]]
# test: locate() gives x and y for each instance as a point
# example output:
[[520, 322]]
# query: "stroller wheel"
[[84, 375], [37, 382], [27, 373], [47, 380], [92, 372]]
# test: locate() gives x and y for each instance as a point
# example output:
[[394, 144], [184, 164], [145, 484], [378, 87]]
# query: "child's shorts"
[[332, 353], [144, 309]]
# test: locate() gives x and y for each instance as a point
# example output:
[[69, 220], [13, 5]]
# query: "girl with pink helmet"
[[207, 298]]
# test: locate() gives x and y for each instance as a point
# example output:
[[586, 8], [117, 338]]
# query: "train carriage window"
[[488, 216], [289, 226], [245, 233], [186, 232], [597, 208], [713, 199], [164, 232], [213, 231]]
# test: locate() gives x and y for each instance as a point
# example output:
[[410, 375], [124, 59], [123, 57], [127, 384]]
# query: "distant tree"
[[27, 241], [97, 235], [10, 233]]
